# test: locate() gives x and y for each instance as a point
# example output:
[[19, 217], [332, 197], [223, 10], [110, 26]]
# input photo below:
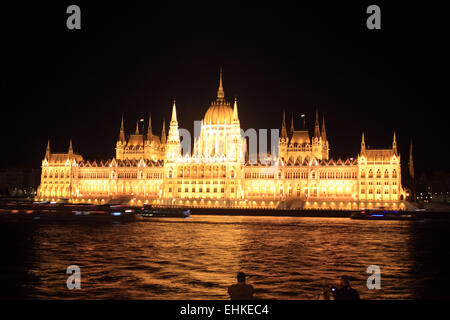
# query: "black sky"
[[133, 58]]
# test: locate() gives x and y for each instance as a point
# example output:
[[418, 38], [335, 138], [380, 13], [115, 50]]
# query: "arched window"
[[394, 174], [386, 174], [370, 174], [378, 174]]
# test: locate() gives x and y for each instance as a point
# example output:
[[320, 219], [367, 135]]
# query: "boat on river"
[[65, 212], [163, 212], [385, 215]]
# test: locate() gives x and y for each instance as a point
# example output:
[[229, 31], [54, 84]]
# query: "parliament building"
[[297, 174]]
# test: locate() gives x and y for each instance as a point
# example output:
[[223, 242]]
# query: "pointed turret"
[[363, 144], [47, 151], [324, 132], [411, 162], [137, 127], [174, 121], [149, 130], [70, 147], [283, 127], [235, 110], [163, 133], [220, 92], [122, 132], [394, 144], [291, 131], [316, 126]]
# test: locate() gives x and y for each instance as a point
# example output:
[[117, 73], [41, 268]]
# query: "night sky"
[[134, 58]]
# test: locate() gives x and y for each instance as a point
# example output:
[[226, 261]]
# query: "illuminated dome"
[[219, 114], [220, 111]]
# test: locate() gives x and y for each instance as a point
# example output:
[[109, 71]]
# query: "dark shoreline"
[[302, 213]]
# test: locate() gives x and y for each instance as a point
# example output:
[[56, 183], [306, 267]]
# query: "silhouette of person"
[[346, 292], [241, 290]]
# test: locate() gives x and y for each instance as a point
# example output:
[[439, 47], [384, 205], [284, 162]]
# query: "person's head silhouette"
[[241, 277], [345, 281]]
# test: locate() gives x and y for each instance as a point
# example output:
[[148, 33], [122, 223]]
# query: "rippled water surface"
[[197, 258]]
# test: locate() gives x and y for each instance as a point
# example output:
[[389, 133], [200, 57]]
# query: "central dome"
[[219, 114], [220, 111]]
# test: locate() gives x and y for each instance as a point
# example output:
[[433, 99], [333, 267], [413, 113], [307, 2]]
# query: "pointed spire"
[[174, 121], [283, 126], [220, 93], [324, 132], [163, 133], [411, 163], [363, 143], [70, 147], [316, 127], [394, 144], [47, 151], [137, 127], [149, 130], [291, 131], [235, 110], [122, 132]]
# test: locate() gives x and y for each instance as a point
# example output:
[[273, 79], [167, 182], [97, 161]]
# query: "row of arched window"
[[378, 174]]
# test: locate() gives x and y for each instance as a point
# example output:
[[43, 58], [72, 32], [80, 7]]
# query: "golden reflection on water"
[[198, 258]]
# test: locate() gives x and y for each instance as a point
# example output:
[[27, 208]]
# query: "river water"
[[198, 258]]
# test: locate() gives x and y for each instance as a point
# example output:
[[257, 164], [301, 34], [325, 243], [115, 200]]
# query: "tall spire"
[[149, 130], [363, 144], [137, 127], [163, 133], [283, 126], [324, 132], [47, 151], [394, 144], [174, 121], [411, 163], [220, 93], [291, 131], [235, 110], [122, 132], [70, 147], [316, 127]]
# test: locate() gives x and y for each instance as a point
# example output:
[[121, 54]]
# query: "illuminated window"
[[370, 174], [378, 174], [386, 174], [394, 174]]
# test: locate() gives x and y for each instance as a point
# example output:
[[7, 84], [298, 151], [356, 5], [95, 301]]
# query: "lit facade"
[[149, 169]]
